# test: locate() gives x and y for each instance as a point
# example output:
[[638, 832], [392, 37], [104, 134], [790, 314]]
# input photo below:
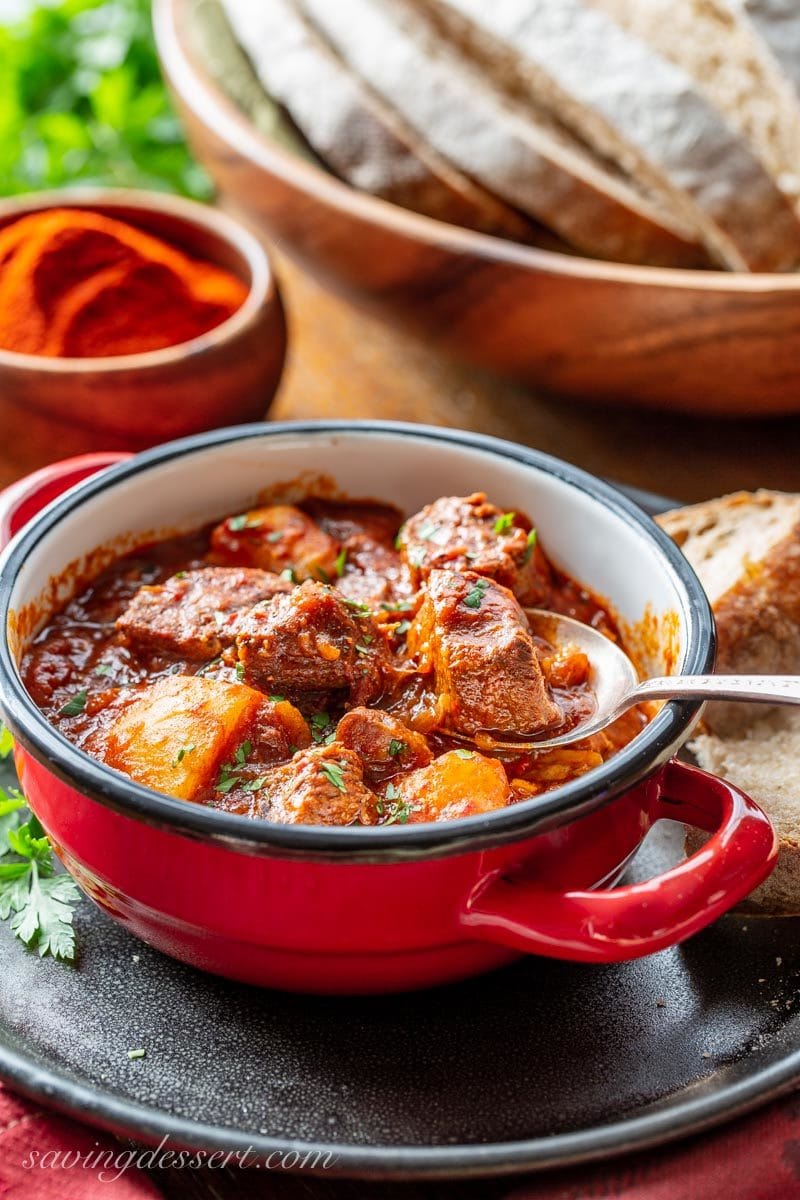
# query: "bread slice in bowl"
[[525, 158], [635, 108], [348, 127], [722, 49]]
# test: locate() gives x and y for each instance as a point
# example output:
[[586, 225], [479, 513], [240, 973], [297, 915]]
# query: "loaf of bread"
[[745, 549], [521, 154], [347, 126], [637, 109]]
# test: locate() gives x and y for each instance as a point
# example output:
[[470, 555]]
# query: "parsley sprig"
[[38, 901]]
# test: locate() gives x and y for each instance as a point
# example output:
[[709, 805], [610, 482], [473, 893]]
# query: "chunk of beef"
[[385, 745], [469, 533], [195, 615], [473, 635], [277, 538], [177, 732], [371, 569], [461, 783], [310, 641], [320, 786]]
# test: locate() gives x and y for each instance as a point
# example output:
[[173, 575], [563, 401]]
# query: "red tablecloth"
[[755, 1158]]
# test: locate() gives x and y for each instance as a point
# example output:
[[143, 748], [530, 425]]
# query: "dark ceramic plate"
[[539, 1064]]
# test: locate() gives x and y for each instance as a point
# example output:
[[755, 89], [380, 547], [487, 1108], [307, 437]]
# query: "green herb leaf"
[[356, 605], [11, 805], [275, 536], [181, 755], [75, 705], [288, 573], [398, 541], [504, 523], [333, 773], [255, 785], [392, 791], [235, 524], [464, 753], [428, 530], [341, 560], [6, 742], [531, 542], [397, 747], [276, 699], [138, 1053], [474, 597], [103, 669], [240, 671], [403, 628], [38, 901], [400, 813]]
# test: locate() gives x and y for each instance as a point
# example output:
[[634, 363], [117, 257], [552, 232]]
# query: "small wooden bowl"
[[705, 342], [55, 407]]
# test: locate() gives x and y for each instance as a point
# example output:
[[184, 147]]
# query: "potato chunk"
[[461, 783], [175, 736], [276, 538]]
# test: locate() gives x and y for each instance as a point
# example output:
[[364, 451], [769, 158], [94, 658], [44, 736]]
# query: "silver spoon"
[[616, 686]]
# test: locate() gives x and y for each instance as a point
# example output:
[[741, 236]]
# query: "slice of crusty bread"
[[634, 107], [763, 762], [356, 135], [732, 64], [745, 549], [524, 157]]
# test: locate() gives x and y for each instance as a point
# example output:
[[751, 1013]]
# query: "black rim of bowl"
[[629, 766]]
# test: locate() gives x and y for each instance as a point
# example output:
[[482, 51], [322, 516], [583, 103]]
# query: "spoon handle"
[[771, 689]]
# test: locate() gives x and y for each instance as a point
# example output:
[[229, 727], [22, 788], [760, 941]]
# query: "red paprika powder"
[[75, 283]]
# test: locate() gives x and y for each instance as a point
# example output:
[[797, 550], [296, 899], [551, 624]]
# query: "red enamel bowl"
[[370, 909]]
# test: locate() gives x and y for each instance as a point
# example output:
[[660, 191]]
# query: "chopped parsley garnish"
[[75, 705], [103, 669], [532, 536], [428, 530], [392, 791], [417, 558], [181, 755], [400, 813], [341, 560], [38, 901], [276, 699], [333, 773], [474, 598], [230, 773], [398, 541], [321, 729], [180, 575], [215, 662], [240, 671], [504, 523], [134, 1054], [402, 628], [465, 753], [356, 605], [362, 649], [322, 574], [275, 536], [398, 606], [244, 521], [255, 785], [397, 747], [288, 573]]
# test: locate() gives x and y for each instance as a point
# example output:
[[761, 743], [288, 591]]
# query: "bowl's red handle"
[[640, 918], [27, 496]]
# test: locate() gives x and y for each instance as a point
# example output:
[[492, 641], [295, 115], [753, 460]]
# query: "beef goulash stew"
[[310, 664]]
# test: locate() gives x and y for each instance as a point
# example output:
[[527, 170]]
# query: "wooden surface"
[[344, 363]]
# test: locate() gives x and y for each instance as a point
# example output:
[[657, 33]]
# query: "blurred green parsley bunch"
[[82, 100]]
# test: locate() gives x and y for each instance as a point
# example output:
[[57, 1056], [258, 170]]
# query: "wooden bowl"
[[706, 342], [54, 407]]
